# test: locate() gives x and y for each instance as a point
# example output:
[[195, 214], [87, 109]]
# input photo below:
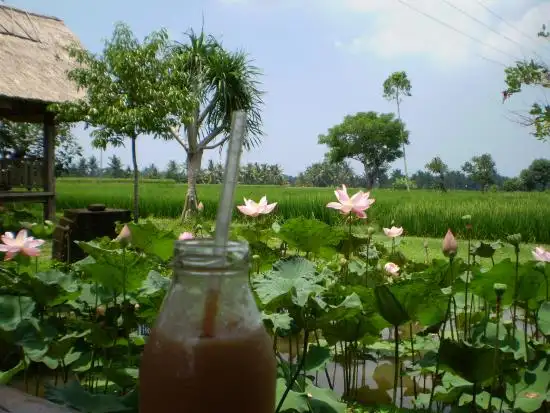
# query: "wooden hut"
[[34, 62]]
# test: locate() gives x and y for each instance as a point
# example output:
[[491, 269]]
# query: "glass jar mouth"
[[205, 253]]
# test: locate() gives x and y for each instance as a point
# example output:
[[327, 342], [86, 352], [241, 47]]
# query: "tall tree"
[[396, 86], [173, 171], [219, 82], [129, 92], [82, 167], [323, 174], [482, 170], [151, 172], [373, 139], [93, 167], [439, 168], [537, 175]]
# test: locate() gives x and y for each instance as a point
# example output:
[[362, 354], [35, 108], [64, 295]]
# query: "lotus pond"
[[460, 330]]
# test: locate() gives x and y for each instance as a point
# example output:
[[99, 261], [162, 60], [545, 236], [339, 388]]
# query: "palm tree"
[[221, 82], [439, 168]]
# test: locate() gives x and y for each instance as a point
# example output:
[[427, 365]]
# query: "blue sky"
[[324, 59]]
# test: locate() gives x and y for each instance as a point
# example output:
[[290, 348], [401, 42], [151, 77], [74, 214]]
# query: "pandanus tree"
[[219, 82]]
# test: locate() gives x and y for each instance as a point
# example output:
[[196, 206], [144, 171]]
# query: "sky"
[[325, 59]]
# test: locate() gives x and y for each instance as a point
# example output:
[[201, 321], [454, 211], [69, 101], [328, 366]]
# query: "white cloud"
[[398, 30]]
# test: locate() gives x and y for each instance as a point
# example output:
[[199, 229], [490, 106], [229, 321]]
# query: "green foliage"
[[438, 168], [536, 176], [326, 173], [309, 235], [321, 309], [531, 73], [126, 88], [96, 181], [481, 169], [373, 139], [130, 91], [396, 86]]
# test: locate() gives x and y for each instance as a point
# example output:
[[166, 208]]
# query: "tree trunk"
[[369, 177], [136, 180], [193, 169], [442, 183], [403, 144]]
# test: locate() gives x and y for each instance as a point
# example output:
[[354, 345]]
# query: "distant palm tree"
[[437, 167]]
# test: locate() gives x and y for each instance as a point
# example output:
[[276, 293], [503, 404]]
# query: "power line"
[[527, 36], [457, 30], [491, 60], [486, 25]]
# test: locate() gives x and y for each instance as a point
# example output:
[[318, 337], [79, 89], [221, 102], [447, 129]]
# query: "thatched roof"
[[33, 59]]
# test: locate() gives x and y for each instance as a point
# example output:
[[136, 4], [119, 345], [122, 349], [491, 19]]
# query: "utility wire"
[[527, 36], [457, 30], [487, 26], [491, 60]]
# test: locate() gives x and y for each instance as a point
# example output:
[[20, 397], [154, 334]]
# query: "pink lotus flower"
[[12, 245], [185, 235], [357, 204], [393, 232], [540, 254], [252, 209], [391, 268], [449, 246]]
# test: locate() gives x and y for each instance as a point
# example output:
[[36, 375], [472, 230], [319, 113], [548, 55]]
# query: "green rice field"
[[422, 213]]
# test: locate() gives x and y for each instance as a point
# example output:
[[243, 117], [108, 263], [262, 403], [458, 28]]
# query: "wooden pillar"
[[49, 165]]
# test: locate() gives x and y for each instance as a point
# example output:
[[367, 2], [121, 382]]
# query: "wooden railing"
[[24, 173]]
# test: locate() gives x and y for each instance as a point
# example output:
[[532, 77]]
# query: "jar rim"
[[204, 253], [197, 243]]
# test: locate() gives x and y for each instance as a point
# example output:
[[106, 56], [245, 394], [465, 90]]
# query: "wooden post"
[[49, 165]]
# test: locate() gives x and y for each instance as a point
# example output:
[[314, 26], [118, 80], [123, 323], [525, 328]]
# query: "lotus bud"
[[200, 206], [100, 310], [343, 261], [449, 245], [391, 268], [125, 236], [371, 230], [514, 239], [426, 245]]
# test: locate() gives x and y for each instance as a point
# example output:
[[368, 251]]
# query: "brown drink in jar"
[[233, 368]]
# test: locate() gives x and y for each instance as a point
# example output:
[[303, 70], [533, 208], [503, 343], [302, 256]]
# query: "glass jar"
[[229, 369]]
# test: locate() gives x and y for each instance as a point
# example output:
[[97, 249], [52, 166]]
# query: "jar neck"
[[203, 258]]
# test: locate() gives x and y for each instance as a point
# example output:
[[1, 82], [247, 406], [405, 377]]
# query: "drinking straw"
[[223, 218]]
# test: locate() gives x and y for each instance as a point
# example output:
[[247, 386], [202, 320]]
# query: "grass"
[[422, 213]]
